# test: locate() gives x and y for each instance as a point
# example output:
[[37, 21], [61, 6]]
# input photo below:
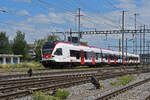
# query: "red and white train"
[[62, 54]]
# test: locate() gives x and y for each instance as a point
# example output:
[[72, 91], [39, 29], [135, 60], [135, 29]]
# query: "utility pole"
[[140, 41], [64, 36], [144, 41], [79, 15], [119, 44], [135, 34], [126, 46], [148, 47], [123, 35], [144, 46]]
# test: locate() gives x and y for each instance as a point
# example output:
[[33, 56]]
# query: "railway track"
[[17, 88], [122, 90], [3, 77]]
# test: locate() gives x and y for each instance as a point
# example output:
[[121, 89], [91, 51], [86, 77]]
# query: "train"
[[65, 54]]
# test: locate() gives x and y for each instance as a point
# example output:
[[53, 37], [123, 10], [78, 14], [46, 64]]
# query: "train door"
[[124, 60], [82, 57], [115, 61], [136, 60], [102, 57], [133, 60], [93, 58], [108, 59], [128, 60]]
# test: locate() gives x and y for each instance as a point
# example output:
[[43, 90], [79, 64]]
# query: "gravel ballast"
[[87, 91]]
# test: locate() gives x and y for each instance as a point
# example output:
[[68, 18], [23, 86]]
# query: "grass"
[[122, 81], [60, 95], [21, 67], [42, 96]]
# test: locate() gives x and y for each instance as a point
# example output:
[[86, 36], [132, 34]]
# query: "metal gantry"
[[107, 32]]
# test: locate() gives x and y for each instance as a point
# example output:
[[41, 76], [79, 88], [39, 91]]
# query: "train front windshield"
[[48, 47]]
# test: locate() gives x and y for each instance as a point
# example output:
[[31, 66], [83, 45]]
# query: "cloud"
[[22, 13], [127, 4], [26, 1], [48, 19]]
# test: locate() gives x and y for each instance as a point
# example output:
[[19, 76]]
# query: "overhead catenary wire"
[[111, 4], [48, 4], [99, 14]]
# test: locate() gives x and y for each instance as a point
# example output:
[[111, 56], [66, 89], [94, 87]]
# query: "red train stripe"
[[108, 60]]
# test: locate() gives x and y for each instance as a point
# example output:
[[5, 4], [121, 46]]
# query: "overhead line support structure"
[[79, 19], [135, 15], [122, 35], [107, 32]]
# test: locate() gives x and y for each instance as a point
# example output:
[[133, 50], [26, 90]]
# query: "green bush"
[[62, 94], [123, 80], [114, 84], [42, 96]]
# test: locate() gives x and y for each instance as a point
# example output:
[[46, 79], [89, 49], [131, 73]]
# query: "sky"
[[38, 18]]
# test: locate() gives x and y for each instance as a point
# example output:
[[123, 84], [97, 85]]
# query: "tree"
[[5, 47], [38, 45], [20, 46], [53, 37]]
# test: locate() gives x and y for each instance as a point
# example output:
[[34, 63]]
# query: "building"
[[31, 50], [9, 59]]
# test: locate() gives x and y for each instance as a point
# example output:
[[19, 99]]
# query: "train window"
[[100, 55], [78, 54], [85, 55], [1, 60], [111, 57], [48, 45], [120, 56], [105, 56], [97, 56], [89, 55], [126, 58], [129, 58], [74, 53], [117, 57], [58, 51]]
